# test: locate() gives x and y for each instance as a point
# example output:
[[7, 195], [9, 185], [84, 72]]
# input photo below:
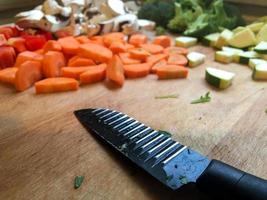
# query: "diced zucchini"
[[255, 61], [243, 39], [256, 27], [184, 41], [261, 48], [195, 59], [219, 78], [260, 72], [245, 56], [262, 34], [224, 56], [235, 51], [223, 39], [211, 39]]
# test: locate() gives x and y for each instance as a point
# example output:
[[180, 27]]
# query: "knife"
[[172, 163]]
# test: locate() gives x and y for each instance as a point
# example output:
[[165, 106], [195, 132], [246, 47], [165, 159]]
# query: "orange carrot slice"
[[95, 52], [58, 84], [97, 40], [137, 70], [138, 39], [52, 45], [94, 74], [172, 72], [152, 48], [27, 74], [139, 54], [129, 46], [115, 71], [159, 64], [118, 47], [28, 55], [163, 40], [82, 39], [39, 51], [155, 58], [127, 60], [77, 61], [74, 72], [177, 59], [52, 64], [109, 38], [8, 75], [176, 50], [69, 45]]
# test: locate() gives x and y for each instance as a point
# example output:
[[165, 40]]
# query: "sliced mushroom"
[[116, 6], [146, 24], [128, 24]]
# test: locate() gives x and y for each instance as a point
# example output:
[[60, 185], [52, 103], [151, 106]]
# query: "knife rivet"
[[175, 166]]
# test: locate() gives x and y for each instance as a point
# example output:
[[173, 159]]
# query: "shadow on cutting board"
[[152, 187]]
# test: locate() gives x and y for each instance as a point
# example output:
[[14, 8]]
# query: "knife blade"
[[169, 161]]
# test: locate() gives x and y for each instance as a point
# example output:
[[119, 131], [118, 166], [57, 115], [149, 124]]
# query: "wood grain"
[[43, 146]]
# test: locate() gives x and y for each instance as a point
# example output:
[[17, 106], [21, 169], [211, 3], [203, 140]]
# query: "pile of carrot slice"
[[64, 64]]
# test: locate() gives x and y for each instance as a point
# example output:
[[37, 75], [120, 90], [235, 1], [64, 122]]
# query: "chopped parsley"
[[203, 99], [183, 180], [78, 181], [172, 96], [165, 133]]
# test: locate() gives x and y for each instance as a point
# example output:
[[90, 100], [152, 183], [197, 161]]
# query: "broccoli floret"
[[160, 30], [186, 12], [160, 12]]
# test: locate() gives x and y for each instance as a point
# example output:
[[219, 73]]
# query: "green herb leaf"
[[170, 177], [165, 133], [172, 96], [266, 111], [183, 180], [78, 181], [202, 99]]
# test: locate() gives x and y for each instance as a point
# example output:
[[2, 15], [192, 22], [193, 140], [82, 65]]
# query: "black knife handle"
[[222, 179]]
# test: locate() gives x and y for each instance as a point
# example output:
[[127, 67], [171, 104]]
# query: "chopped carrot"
[[152, 48], [95, 52], [82, 39], [159, 64], [39, 51], [138, 39], [52, 64], [127, 60], [26, 56], [27, 74], [177, 59], [8, 75], [94, 74], [129, 46], [74, 72], [97, 40], [52, 45], [109, 38], [155, 58], [58, 84], [176, 50], [137, 70], [77, 61], [18, 43], [172, 72], [69, 45], [117, 47], [139, 54], [163, 40], [115, 71]]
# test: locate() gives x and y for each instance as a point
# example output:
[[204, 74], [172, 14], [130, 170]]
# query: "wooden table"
[[43, 146]]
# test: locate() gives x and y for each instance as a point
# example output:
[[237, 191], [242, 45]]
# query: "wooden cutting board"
[[43, 146]]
